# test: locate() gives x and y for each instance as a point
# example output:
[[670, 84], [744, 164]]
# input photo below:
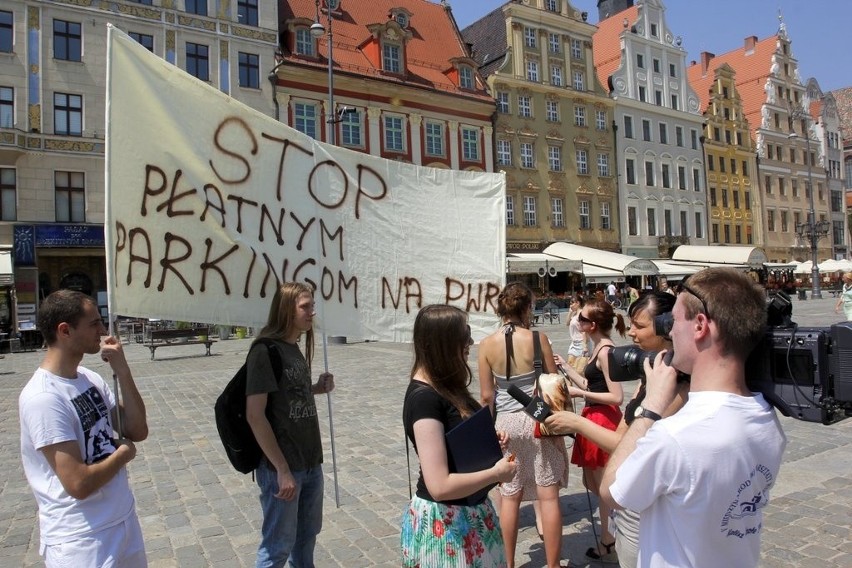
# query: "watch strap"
[[645, 413]]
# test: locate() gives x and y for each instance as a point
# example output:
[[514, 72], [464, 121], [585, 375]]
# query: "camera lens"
[[663, 324], [626, 363]]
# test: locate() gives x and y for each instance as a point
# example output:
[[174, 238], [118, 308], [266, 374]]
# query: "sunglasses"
[[582, 318], [684, 286]]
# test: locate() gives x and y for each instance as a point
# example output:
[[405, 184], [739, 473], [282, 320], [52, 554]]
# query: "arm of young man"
[[80, 479], [263, 433], [134, 423]]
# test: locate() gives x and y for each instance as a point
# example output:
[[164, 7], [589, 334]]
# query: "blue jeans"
[[290, 528]]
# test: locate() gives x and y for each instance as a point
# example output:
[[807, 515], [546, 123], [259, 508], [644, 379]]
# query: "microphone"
[[534, 406]]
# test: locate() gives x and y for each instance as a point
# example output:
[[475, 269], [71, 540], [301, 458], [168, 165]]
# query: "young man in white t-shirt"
[[701, 478], [75, 468]]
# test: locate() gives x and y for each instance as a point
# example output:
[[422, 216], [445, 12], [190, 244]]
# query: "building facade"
[[52, 95], [553, 127], [661, 183]]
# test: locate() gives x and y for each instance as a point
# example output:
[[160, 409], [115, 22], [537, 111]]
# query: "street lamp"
[[810, 230], [318, 30]]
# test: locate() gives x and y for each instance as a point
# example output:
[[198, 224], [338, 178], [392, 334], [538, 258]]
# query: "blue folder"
[[473, 446]]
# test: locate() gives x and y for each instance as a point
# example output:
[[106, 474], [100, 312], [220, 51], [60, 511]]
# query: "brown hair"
[[441, 335], [62, 306], [515, 301], [603, 315], [279, 324]]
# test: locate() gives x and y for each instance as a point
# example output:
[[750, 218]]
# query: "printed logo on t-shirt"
[[302, 404], [741, 518], [94, 418]]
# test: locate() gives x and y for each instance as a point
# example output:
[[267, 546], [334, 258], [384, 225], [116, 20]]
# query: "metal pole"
[[331, 426], [332, 123], [815, 290]]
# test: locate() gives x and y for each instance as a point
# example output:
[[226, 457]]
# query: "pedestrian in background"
[[282, 414], [845, 299], [578, 351], [74, 465]]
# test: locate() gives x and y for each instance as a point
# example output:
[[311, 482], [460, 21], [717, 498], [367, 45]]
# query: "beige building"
[[553, 129], [52, 95]]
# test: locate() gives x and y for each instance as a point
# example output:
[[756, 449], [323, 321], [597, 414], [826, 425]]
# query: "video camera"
[[804, 372]]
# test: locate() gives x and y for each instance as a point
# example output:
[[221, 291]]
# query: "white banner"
[[209, 204]]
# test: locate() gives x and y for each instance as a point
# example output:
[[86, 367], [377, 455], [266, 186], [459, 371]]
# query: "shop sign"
[[69, 235]]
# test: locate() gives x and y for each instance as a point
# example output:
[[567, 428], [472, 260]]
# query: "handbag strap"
[[537, 362]]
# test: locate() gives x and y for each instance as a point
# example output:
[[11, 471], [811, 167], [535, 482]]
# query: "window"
[[579, 81], [693, 135], [717, 134], [67, 114], [603, 165], [582, 162], [434, 138], [7, 31], [606, 220], [667, 182], [664, 133], [503, 102], [556, 212], [504, 152], [715, 233], [696, 179], [532, 71], [747, 201], [305, 119], [7, 107], [632, 224], [656, 64], [628, 127], [725, 198], [554, 158], [530, 37], [684, 224], [681, 177], [249, 70], [579, 115], [556, 75], [529, 211], [145, 40], [554, 43], [794, 187], [351, 130], [391, 58], [784, 227], [837, 232], [510, 210], [668, 226], [465, 77], [197, 61], [394, 134], [642, 96], [198, 7], [470, 144], [524, 107], [679, 136], [675, 102], [8, 194], [552, 108], [649, 174], [699, 226], [713, 197], [630, 167], [767, 184], [552, 5], [646, 130], [658, 98], [247, 12], [600, 120], [67, 40], [305, 42], [722, 164], [654, 30], [576, 49], [585, 214], [70, 197], [782, 189], [640, 61], [770, 220], [527, 160], [652, 222], [672, 70], [736, 195]]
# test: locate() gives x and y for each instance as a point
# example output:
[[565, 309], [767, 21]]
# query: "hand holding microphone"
[[534, 406]]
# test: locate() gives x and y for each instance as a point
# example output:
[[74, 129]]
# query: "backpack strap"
[[537, 362], [274, 356], [507, 332]]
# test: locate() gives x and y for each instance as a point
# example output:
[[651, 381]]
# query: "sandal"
[[608, 555]]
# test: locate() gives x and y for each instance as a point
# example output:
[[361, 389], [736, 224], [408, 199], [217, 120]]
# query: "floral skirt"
[[451, 536]]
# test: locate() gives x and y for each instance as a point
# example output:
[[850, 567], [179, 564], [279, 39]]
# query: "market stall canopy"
[[620, 263], [7, 276], [675, 271], [536, 262], [597, 275], [805, 267], [832, 265], [780, 265], [753, 257]]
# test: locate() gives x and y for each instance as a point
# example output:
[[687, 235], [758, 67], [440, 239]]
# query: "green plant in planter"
[[240, 332], [183, 325]]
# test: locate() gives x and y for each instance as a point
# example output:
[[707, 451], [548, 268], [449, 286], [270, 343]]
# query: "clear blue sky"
[[819, 29]]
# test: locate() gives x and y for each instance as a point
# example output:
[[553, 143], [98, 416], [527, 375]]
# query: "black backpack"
[[243, 450]]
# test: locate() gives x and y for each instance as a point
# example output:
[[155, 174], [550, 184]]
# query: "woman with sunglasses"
[[602, 399], [642, 313], [506, 358], [440, 527], [579, 348]]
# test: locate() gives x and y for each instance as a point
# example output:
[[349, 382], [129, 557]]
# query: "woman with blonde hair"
[[506, 358], [845, 298]]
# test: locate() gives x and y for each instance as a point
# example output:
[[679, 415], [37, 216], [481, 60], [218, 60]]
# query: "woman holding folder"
[[444, 526]]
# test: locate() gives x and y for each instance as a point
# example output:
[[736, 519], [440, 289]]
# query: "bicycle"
[[616, 303]]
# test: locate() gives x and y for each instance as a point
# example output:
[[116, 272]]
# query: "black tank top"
[[596, 381]]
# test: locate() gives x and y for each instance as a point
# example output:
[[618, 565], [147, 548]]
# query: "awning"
[[675, 270], [613, 261], [781, 265], [7, 277], [540, 263], [597, 275], [753, 257]]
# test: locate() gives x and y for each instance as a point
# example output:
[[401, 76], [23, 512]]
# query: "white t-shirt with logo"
[[700, 479], [54, 409]]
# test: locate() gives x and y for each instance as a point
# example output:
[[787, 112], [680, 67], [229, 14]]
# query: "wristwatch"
[[642, 412]]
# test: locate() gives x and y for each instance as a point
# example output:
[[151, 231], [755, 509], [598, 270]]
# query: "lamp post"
[[810, 230], [317, 30]]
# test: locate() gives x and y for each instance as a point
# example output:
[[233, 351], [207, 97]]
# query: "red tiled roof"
[[843, 98], [606, 43], [435, 41]]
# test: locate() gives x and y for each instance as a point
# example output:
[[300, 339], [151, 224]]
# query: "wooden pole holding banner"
[[331, 425], [116, 393]]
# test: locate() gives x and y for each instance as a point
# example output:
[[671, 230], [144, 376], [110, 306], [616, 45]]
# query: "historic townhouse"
[[52, 88], [779, 113], [404, 87], [553, 128], [735, 202], [662, 193]]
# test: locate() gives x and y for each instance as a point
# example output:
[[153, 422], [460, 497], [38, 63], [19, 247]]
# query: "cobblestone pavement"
[[196, 511]]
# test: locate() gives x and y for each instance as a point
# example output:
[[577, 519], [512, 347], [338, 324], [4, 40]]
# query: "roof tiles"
[[606, 43]]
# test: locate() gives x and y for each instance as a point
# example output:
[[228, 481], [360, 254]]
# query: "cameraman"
[[701, 477]]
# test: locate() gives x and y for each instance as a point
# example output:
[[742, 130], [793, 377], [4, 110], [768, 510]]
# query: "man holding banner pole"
[[282, 414]]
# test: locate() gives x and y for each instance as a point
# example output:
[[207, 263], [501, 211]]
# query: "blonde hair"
[[282, 312]]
